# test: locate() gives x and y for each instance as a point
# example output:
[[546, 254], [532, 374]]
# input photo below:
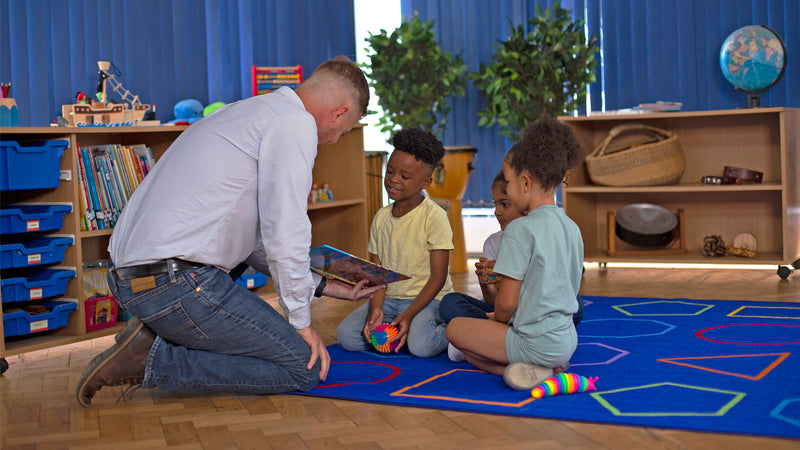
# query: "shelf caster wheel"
[[785, 271], [3, 366]]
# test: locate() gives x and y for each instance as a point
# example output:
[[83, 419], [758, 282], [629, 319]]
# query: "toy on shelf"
[[320, 194], [9, 113], [212, 107], [187, 112], [268, 79], [381, 337], [326, 195], [102, 113], [313, 195], [564, 383]]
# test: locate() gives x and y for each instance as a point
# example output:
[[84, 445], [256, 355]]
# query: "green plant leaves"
[[543, 72], [540, 73], [413, 77]]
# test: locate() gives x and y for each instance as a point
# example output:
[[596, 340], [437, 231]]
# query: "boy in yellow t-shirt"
[[412, 236]]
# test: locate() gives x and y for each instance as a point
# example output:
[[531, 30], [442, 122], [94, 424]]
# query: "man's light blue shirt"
[[232, 187]]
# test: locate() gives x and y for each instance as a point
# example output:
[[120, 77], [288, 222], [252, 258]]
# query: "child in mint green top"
[[532, 335]]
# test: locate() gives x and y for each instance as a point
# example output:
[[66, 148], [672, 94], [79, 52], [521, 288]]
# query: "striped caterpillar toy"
[[564, 383]]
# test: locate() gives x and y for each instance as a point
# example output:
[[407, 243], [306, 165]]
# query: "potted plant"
[[542, 73], [412, 77]]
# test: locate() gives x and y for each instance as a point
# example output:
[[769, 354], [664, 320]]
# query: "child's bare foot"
[[524, 376], [561, 369]]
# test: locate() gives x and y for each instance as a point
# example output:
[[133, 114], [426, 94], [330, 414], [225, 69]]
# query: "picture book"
[[337, 264]]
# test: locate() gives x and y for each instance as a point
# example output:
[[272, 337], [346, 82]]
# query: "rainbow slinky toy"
[[564, 383], [382, 336]]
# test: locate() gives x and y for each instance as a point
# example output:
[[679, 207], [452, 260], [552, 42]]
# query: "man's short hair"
[[348, 71]]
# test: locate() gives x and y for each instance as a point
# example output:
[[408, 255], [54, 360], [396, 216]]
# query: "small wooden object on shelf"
[[676, 247]]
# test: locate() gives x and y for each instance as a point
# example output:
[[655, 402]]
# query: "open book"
[[335, 263]]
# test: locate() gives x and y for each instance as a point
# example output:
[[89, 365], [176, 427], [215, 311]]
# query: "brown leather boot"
[[121, 364]]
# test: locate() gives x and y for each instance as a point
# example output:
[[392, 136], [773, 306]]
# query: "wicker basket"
[[653, 161]]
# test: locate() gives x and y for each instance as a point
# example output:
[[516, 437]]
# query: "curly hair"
[[547, 150], [421, 144]]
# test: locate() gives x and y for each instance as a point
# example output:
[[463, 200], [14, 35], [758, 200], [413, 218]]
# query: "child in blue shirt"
[[412, 236], [531, 335]]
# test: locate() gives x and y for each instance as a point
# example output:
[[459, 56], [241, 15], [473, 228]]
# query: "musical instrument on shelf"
[[449, 183]]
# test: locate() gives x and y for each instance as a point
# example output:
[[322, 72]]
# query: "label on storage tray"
[[38, 325], [36, 293], [32, 225], [35, 258], [251, 283]]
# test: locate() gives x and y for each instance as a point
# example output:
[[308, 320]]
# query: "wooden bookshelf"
[[762, 139]]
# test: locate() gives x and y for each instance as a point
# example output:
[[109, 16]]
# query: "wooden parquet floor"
[[39, 410]]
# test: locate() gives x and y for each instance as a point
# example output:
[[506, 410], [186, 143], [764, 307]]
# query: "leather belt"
[[736, 175], [156, 268]]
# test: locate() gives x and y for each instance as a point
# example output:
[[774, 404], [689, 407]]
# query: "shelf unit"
[[340, 223], [762, 139]]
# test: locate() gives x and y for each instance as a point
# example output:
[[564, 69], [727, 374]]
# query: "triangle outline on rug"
[[780, 357]]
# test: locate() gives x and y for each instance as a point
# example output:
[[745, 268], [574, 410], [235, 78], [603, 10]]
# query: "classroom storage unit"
[[32, 217], [36, 285], [252, 279], [760, 139], [341, 223], [30, 166], [16, 252], [19, 322]]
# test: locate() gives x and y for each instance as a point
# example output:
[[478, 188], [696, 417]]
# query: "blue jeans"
[[456, 304], [216, 336], [426, 334]]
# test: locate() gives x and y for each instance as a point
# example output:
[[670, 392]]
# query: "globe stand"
[[753, 101]]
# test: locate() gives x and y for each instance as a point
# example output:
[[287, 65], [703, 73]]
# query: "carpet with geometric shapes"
[[699, 365]]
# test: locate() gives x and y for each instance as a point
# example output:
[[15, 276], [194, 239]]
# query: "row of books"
[[108, 175]]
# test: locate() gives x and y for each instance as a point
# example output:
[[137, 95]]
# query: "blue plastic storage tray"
[[252, 280], [17, 322], [40, 284], [32, 217], [33, 252], [33, 166]]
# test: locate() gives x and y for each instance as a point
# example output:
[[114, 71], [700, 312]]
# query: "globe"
[[753, 59]]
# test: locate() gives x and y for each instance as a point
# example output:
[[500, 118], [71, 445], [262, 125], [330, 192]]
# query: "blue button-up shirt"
[[232, 187]]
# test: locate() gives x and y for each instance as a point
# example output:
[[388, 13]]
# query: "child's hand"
[[483, 269], [403, 323], [374, 319]]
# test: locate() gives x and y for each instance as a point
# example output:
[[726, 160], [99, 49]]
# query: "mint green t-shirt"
[[544, 250]]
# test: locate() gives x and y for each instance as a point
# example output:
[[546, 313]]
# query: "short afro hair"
[[421, 144]]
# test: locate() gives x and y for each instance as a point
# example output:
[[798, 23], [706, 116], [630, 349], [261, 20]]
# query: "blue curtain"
[[650, 50], [165, 50]]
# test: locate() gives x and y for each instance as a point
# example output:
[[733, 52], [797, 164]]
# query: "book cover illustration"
[[335, 263]]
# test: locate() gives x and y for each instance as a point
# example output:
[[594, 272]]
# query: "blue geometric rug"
[[700, 365]]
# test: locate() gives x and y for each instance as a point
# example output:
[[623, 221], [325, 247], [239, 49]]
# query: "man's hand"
[[318, 350], [344, 291]]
